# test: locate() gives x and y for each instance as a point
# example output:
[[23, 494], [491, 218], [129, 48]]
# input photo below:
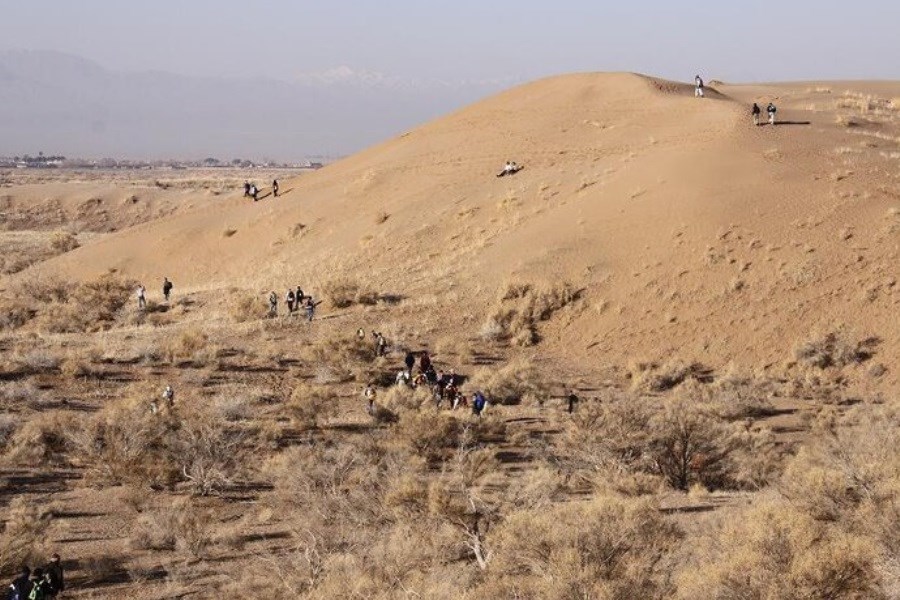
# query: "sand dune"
[[693, 234]]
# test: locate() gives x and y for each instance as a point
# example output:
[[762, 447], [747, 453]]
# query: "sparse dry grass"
[[343, 293]]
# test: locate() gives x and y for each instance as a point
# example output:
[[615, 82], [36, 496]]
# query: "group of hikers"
[[444, 385], [295, 300], [755, 112], [141, 293], [252, 191], [39, 584]]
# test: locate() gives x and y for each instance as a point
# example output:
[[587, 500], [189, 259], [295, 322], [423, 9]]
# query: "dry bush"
[[521, 306], [606, 548], [626, 444], [343, 358], [63, 241], [210, 454], [309, 406], [775, 551], [189, 346], [245, 307], [342, 293], [88, 307], [41, 440], [514, 383], [401, 398], [126, 443], [23, 533], [181, 526], [36, 360], [835, 349], [651, 377], [431, 435]]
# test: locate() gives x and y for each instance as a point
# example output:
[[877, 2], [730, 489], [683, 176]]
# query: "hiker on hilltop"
[[289, 300], [273, 305], [55, 576], [246, 189], [275, 188], [698, 87], [142, 297], [771, 110], [167, 288], [755, 111], [20, 586]]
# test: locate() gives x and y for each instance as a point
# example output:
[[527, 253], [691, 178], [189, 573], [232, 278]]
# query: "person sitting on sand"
[[698, 89], [771, 110], [755, 111], [511, 168]]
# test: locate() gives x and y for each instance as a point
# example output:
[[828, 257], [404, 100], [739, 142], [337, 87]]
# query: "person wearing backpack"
[[698, 86], [478, 403], [55, 576], [20, 586], [771, 110], [40, 589]]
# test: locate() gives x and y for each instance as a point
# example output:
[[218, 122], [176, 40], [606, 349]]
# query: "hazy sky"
[[470, 39]]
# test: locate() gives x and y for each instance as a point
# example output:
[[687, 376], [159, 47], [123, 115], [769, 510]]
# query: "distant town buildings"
[[55, 162]]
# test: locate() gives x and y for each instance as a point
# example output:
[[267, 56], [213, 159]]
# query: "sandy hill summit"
[[680, 229]]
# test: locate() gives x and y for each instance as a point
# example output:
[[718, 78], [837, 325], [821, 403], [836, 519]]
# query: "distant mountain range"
[[63, 104]]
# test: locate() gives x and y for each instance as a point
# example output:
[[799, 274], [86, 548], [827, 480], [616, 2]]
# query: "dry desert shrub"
[[521, 306], [190, 346], [343, 293], [651, 377], [343, 358], [245, 307], [609, 547], [23, 533], [775, 551], [181, 526], [627, 444], [126, 442], [516, 382], [41, 440], [87, 307], [309, 406], [835, 349], [63, 241]]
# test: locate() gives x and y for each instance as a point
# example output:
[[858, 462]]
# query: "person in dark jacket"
[[755, 111], [424, 362], [167, 288], [410, 361], [55, 576], [573, 400], [20, 586], [275, 188]]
